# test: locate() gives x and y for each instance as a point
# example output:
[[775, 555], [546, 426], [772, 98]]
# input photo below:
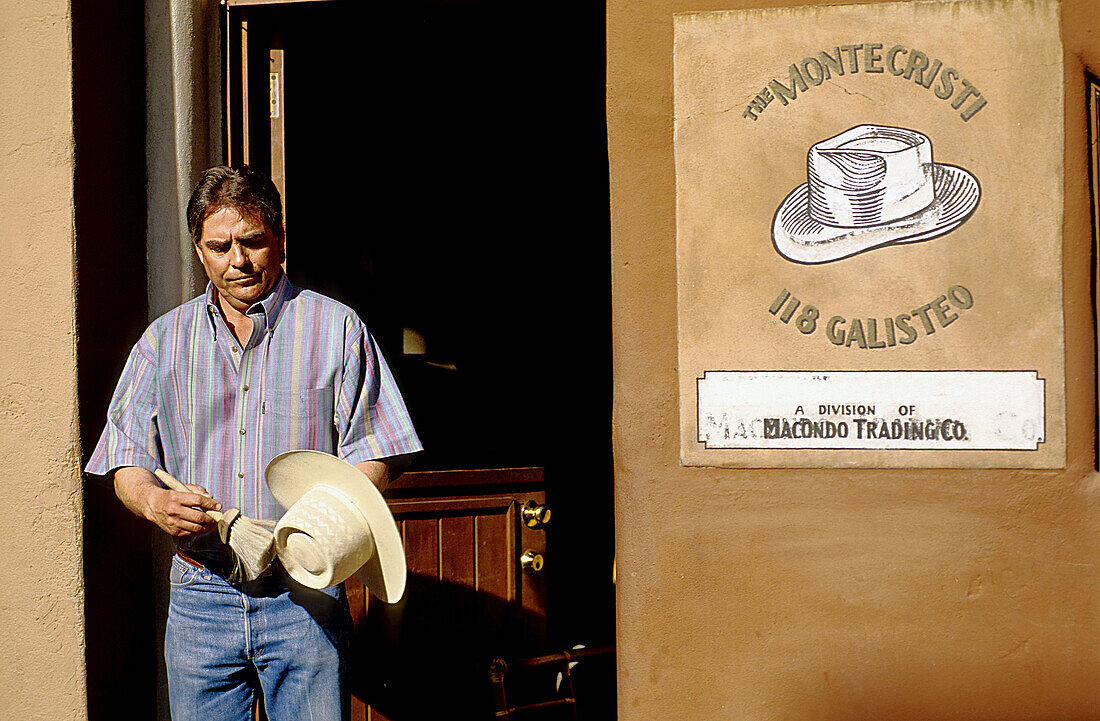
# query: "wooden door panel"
[[495, 571], [421, 540], [457, 560], [467, 599]]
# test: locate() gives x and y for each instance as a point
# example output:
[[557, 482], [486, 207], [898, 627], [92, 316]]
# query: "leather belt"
[[275, 570], [187, 559]]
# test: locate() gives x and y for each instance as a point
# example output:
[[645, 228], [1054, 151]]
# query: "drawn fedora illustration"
[[336, 525], [870, 187]]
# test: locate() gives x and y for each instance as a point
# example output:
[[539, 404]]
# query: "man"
[[212, 391]]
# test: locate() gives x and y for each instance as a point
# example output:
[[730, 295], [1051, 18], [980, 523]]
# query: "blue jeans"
[[224, 644]]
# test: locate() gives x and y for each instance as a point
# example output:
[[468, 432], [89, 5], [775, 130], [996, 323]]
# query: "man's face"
[[241, 256]]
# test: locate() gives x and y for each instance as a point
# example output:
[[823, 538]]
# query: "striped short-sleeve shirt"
[[194, 401]]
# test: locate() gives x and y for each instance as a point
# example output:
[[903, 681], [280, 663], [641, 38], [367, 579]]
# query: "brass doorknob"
[[530, 561], [534, 514]]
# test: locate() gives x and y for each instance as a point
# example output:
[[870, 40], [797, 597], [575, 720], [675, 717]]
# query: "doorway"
[[444, 171]]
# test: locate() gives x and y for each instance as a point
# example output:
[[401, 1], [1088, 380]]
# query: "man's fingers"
[[196, 501], [197, 489], [186, 520], [193, 516], [183, 528], [181, 513]]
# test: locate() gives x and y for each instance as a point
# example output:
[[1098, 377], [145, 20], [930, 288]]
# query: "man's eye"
[[219, 248]]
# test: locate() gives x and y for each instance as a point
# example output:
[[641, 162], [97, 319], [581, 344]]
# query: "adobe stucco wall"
[[832, 594], [41, 598]]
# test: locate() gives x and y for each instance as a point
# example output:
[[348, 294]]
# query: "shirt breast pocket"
[[301, 419]]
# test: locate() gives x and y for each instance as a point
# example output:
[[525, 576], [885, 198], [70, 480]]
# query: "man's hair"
[[239, 187]]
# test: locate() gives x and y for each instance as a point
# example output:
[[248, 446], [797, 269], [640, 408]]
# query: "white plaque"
[[887, 410]]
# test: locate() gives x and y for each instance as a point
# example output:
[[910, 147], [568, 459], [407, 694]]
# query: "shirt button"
[[240, 475], [246, 388], [242, 431], [234, 349]]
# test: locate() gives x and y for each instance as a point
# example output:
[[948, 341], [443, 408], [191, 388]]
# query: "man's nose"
[[237, 257]]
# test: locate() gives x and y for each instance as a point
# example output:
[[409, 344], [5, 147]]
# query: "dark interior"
[[446, 173]]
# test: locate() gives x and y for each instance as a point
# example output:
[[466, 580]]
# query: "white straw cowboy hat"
[[337, 524], [869, 187]]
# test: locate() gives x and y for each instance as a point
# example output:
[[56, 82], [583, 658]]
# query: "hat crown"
[[291, 476], [323, 538], [869, 175]]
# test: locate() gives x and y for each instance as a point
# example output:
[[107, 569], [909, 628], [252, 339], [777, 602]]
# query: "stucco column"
[[42, 672]]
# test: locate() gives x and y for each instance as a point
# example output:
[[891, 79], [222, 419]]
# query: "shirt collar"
[[269, 306], [272, 303]]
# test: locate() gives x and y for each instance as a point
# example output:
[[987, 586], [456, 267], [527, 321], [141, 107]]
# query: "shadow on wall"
[[111, 308]]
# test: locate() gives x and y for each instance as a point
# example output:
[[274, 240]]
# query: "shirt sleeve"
[[130, 437], [371, 419]]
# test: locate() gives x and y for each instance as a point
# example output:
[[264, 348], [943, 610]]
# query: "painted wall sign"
[[869, 212]]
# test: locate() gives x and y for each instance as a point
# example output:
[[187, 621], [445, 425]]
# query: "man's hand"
[[179, 514]]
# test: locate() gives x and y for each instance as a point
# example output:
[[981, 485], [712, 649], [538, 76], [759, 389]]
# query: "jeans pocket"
[[183, 574]]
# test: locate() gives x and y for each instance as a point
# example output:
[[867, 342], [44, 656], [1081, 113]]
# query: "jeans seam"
[[247, 625], [261, 630]]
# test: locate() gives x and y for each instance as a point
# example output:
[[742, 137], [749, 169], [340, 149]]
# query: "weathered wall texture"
[[41, 600], [835, 594]]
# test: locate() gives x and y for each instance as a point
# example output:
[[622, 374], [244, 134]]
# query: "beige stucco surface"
[[41, 599], [829, 593]]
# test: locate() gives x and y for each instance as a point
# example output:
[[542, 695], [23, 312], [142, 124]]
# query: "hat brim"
[[800, 238], [290, 475]]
